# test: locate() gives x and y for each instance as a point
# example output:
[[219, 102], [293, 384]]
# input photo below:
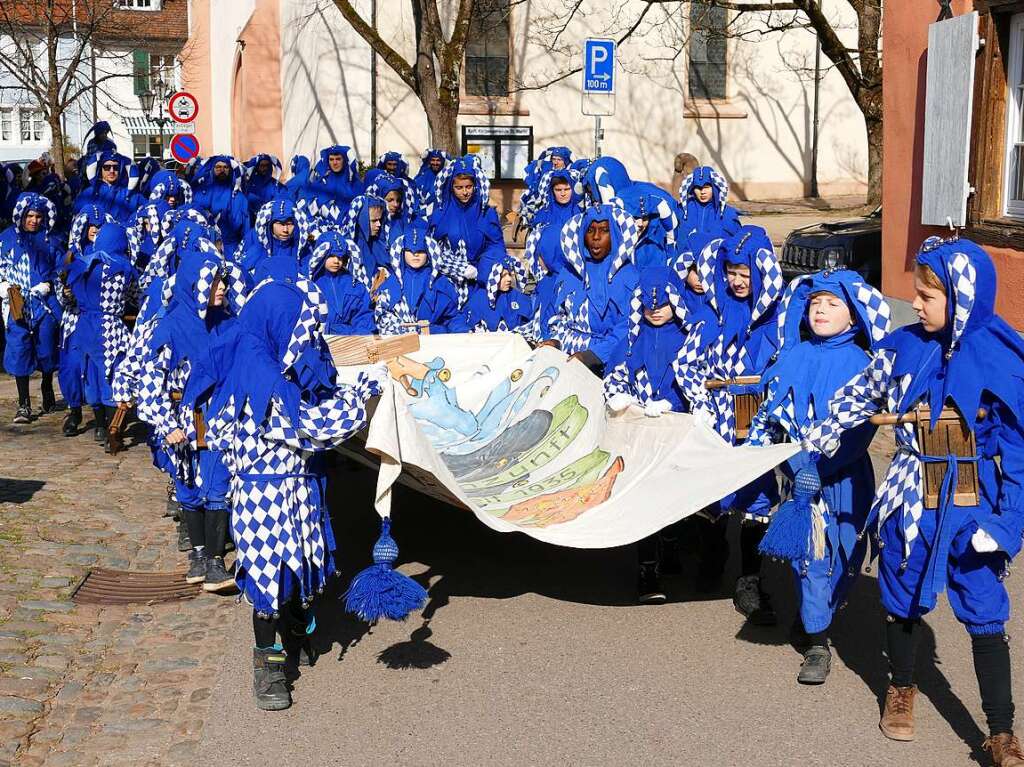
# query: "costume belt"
[[276, 477]]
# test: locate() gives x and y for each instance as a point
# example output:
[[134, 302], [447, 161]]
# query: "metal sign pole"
[[597, 135]]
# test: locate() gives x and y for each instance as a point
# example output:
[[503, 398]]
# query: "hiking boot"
[[23, 414], [897, 721], [753, 603], [218, 579], [648, 587], [196, 567], [184, 543], [816, 665], [72, 422], [269, 684], [1005, 750], [100, 434]]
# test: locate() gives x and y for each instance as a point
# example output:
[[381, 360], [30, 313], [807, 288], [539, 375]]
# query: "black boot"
[[218, 578], [24, 411], [649, 590], [183, 541], [46, 391], [196, 566], [72, 422], [269, 684], [99, 414], [752, 602]]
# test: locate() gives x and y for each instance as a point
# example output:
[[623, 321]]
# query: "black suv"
[[855, 243]]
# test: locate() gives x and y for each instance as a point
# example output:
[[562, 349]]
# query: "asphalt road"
[[528, 654]]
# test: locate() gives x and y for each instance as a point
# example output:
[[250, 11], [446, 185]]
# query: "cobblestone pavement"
[[89, 685]]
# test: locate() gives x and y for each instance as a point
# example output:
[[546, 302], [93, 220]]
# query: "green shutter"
[[140, 71]]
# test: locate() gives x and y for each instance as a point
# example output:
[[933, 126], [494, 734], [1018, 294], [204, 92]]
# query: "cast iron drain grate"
[[118, 587]]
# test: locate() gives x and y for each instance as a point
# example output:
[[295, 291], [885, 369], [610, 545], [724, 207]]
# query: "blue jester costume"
[[327, 187], [800, 386], [374, 249], [262, 187], [715, 217], [494, 309], [346, 292], [264, 251], [425, 179], [222, 201], [119, 199]]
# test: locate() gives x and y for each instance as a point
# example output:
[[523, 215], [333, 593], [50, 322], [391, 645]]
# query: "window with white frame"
[[33, 126], [140, 5], [6, 123], [146, 146], [1014, 189]]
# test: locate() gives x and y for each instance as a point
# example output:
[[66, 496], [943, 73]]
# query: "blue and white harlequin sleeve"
[[853, 404], [327, 424], [154, 405]]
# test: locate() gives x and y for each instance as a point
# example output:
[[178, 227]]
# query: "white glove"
[[705, 417], [469, 273], [379, 374], [657, 407], [619, 402], [983, 543], [40, 290]]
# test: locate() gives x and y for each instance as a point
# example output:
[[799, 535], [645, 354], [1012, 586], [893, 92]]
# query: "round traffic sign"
[[183, 106], [184, 146]]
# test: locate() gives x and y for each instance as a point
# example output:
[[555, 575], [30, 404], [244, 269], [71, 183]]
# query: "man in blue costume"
[[646, 379], [734, 336], [393, 164], [336, 268], [592, 315], [417, 298], [425, 180], [262, 172], [841, 319], [335, 178], [703, 198], [98, 139], [961, 355], [28, 270], [218, 192], [111, 180]]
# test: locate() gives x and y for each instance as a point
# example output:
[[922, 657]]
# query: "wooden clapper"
[[743, 405]]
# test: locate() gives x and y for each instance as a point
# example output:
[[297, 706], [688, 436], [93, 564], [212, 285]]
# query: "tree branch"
[[392, 57]]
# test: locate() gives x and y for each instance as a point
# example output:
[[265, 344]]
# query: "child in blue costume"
[[336, 268], [262, 172], [695, 265], [365, 225], [277, 409], [703, 197], [466, 224], [733, 336], [417, 298], [647, 379], [964, 356], [400, 199], [839, 316], [111, 179], [501, 305], [184, 363], [656, 222], [591, 320], [280, 241], [335, 178], [100, 280], [218, 193], [425, 180], [553, 158], [28, 260]]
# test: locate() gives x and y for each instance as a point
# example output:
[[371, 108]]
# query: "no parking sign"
[[184, 146]]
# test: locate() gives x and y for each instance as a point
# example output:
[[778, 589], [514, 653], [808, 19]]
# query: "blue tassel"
[[789, 534], [381, 591]]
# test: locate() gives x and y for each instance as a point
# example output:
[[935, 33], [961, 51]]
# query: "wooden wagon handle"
[[714, 383], [892, 419]]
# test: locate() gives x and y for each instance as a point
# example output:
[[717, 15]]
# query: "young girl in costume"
[[960, 355], [841, 318], [502, 305], [336, 269]]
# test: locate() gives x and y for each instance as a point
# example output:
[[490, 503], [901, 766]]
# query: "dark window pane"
[[487, 49], [707, 51]]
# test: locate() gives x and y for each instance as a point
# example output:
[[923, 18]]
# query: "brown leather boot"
[[898, 718], [1005, 750]]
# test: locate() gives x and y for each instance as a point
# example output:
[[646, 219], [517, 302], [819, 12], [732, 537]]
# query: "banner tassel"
[[789, 533], [381, 591]]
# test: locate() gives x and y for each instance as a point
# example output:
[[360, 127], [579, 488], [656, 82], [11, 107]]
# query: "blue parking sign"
[[598, 65]]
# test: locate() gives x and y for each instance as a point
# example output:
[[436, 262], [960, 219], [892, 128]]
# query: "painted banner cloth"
[[522, 438]]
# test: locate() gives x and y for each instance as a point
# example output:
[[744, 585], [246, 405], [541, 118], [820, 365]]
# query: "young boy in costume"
[[501, 306], [960, 355], [841, 318], [337, 270]]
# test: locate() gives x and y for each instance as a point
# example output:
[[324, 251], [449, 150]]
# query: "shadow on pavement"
[[19, 490]]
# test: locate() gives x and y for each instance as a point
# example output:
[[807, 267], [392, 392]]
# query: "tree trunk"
[[442, 120], [874, 131], [56, 142]]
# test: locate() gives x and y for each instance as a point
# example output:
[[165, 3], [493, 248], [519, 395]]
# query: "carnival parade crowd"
[[200, 298]]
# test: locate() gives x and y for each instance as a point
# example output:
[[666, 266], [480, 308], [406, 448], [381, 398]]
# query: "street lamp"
[[159, 97]]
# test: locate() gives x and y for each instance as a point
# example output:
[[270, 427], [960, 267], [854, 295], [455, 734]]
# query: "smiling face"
[[598, 240], [462, 188], [32, 221], [929, 299], [109, 171], [562, 192], [828, 315], [703, 194], [391, 166], [435, 164], [282, 230], [415, 259], [376, 215], [394, 201], [659, 316], [335, 162], [738, 278]]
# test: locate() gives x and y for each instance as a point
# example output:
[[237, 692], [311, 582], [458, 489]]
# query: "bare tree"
[[52, 54]]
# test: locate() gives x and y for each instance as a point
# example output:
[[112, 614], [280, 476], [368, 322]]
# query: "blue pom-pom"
[[380, 591], [789, 533]]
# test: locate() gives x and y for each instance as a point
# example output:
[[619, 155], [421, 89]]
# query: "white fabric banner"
[[522, 438]]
